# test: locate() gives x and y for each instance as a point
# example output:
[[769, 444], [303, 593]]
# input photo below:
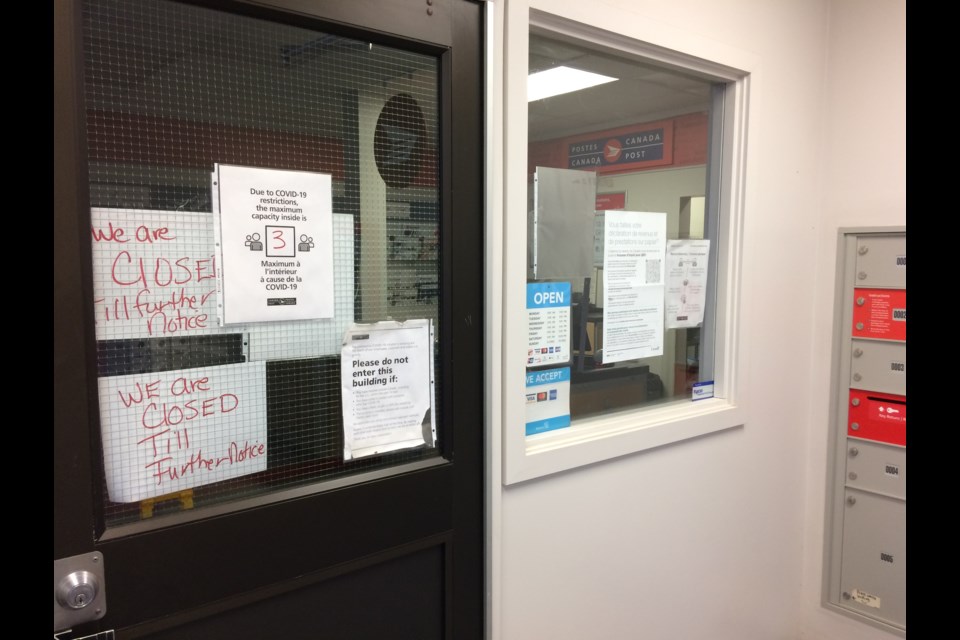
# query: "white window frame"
[[595, 439]]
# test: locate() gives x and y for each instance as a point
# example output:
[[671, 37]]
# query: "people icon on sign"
[[305, 243], [253, 241]]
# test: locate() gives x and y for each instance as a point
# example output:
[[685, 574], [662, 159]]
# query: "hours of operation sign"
[[548, 323]]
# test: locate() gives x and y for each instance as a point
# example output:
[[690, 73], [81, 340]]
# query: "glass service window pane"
[[625, 158], [171, 90]]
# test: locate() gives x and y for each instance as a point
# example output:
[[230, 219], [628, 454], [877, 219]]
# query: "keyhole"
[[78, 589]]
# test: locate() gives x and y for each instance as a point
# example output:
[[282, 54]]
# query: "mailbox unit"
[[865, 550]]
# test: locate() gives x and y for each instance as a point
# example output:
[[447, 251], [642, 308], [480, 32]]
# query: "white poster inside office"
[[633, 294], [276, 244], [686, 292]]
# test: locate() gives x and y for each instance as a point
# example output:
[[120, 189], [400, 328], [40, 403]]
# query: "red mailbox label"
[[880, 313], [877, 416]]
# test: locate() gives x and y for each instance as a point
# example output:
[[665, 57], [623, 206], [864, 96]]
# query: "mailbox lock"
[[862, 275], [854, 452], [859, 326], [851, 501], [855, 402], [857, 352], [855, 426], [863, 250], [78, 589], [852, 475], [846, 595], [860, 301]]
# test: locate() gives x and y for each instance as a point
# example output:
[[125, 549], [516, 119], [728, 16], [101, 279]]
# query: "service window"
[[618, 161], [629, 246]]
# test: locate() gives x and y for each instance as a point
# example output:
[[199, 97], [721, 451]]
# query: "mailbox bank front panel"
[[865, 572]]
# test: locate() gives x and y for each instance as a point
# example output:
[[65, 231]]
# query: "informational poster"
[[276, 244], [312, 338], [548, 323], [154, 273], [387, 387], [548, 400], [170, 431], [686, 282], [633, 295]]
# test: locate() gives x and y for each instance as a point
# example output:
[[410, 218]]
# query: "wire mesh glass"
[[171, 90]]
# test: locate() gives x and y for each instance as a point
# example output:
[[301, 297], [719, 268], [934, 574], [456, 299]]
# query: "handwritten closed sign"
[[165, 432], [154, 273]]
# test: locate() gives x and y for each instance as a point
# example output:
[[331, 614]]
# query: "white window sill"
[[591, 440]]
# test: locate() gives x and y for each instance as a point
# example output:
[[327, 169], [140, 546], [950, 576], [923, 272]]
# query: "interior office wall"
[[864, 184], [703, 539]]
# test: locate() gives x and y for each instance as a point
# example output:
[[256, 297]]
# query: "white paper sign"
[[276, 244], [686, 282], [170, 431], [154, 273], [387, 387], [312, 338], [633, 263], [153, 278]]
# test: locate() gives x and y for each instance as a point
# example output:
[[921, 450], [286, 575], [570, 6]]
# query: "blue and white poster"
[[548, 323], [548, 400]]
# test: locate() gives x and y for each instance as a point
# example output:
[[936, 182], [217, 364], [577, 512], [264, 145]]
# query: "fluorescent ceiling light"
[[559, 80]]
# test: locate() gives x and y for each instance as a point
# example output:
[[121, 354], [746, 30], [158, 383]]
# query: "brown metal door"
[[206, 483]]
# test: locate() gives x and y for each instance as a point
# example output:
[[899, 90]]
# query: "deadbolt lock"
[[79, 590]]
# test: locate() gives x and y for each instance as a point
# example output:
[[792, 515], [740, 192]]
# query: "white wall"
[[864, 184], [716, 538]]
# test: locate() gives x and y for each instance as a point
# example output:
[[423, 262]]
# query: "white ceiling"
[[643, 92]]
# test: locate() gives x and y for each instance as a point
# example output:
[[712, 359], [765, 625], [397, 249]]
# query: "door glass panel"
[[194, 413]]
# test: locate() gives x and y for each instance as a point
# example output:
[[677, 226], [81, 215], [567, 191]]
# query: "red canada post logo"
[[611, 150]]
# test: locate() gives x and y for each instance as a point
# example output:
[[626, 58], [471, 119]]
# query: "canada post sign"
[[621, 151]]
